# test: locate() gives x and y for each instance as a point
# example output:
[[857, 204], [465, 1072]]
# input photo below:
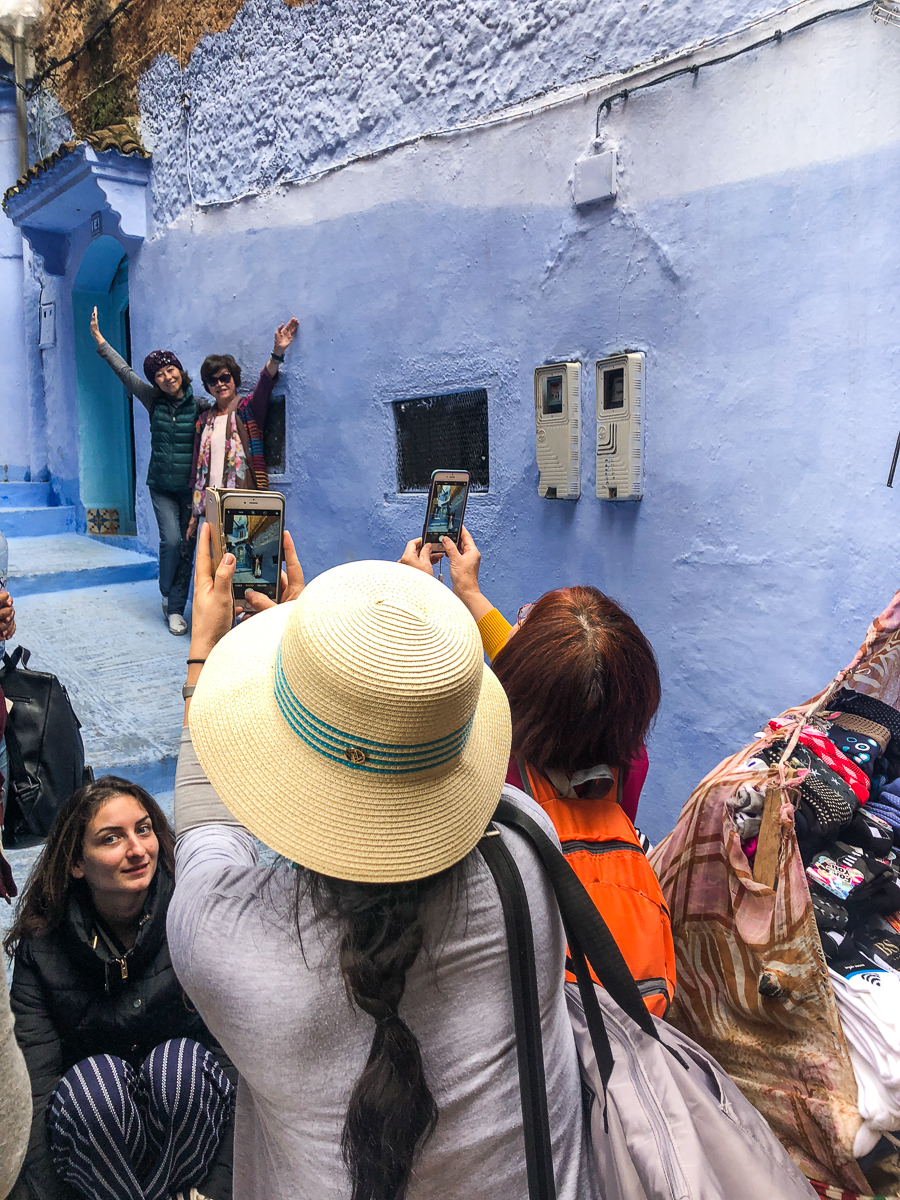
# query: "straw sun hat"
[[357, 730]]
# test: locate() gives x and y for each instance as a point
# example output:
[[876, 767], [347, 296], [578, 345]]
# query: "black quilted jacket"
[[72, 997]]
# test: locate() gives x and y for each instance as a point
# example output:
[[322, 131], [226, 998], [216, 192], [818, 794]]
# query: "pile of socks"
[[864, 975]]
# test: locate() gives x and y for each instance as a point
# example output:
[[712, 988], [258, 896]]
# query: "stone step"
[[24, 495], [36, 522], [70, 560]]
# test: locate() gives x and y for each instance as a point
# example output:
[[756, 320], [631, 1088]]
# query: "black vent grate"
[[274, 437], [442, 433]]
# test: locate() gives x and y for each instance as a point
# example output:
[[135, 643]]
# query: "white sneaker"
[[177, 624]]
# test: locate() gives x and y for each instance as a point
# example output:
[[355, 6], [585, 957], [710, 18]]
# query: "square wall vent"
[[447, 433]]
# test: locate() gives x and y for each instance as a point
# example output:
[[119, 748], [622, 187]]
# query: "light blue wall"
[[14, 457], [766, 305]]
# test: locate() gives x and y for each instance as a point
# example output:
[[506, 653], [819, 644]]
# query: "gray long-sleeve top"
[[147, 393], [281, 1013]]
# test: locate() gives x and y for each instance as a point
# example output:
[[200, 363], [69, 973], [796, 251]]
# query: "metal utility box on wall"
[[620, 427], [557, 418]]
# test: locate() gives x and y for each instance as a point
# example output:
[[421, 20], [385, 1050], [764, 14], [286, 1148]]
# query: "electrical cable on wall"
[[694, 69], [55, 63]]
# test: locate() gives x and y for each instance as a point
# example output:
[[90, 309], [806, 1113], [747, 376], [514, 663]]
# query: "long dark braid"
[[391, 1113]]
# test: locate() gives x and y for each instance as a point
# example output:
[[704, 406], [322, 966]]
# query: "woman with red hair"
[[583, 689]]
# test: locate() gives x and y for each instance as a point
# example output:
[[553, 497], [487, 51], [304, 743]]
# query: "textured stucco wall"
[[286, 92], [751, 253]]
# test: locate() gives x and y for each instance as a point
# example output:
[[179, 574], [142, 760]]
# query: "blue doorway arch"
[[105, 425]]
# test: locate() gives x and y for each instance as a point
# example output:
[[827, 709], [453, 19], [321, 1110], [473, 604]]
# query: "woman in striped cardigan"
[[228, 445]]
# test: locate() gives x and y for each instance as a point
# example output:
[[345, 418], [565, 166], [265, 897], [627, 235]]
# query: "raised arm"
[[259, 399], [464, 564], [138, 387]]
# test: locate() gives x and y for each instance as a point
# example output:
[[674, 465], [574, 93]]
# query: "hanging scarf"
[[244, 463]]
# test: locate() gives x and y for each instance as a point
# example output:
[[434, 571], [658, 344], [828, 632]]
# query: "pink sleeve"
[[634, 781]]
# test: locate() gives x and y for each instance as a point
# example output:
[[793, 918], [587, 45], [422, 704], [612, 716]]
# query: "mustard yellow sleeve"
[[494, 629]]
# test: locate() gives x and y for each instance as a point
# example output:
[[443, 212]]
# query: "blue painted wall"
[[761, 285], [750, 253], [14, 431]]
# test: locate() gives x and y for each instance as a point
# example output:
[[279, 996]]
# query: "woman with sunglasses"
[[583, 687], [228, 448]]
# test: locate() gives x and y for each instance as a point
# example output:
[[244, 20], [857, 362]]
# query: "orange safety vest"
[[601, 844]]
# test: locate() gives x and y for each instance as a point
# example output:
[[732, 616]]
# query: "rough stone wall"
[[286, 92], [278, 91]]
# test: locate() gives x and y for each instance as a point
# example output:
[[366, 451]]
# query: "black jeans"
[[176, 553]]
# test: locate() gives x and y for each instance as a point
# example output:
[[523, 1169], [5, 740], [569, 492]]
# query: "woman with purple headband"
[[169, 399]]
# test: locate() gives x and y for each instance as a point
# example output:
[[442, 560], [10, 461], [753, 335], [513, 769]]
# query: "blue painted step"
[[70, 560], [36, 522], [24, 495]]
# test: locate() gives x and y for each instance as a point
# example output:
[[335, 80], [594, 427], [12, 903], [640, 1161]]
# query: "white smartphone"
[[446, 508], [251, 527]]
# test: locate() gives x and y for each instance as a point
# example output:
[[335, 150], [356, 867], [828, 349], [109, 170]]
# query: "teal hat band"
[[363, 754]]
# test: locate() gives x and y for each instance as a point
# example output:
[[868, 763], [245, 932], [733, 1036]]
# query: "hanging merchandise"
[[783, 879]]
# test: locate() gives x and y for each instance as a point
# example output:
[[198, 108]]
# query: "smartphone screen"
[[254, 536], [446, 506]]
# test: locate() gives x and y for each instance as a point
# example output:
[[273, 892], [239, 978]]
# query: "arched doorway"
[[105, 428]]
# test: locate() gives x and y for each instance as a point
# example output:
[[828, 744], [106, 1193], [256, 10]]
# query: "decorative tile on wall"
[[102, 520]]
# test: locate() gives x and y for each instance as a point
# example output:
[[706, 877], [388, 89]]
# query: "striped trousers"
[[121, 1134]]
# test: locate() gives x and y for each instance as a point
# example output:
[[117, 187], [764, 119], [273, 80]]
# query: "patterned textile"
[[245, 464], [785, 1050], [121, 1134]]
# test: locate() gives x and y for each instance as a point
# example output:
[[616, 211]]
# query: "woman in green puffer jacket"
[[169, 399]]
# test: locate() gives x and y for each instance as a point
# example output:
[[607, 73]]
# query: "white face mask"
[[566, 786]]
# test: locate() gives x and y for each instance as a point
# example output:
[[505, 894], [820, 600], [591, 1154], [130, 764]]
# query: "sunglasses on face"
[[222, 377]]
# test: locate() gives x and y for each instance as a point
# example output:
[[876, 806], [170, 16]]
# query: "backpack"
[[46, 753], [602, 847], [664, 1120]]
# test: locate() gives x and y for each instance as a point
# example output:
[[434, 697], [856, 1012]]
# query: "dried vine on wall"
[[99, 88]]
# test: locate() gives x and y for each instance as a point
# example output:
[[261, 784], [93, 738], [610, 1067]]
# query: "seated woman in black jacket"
[[129, 1101]]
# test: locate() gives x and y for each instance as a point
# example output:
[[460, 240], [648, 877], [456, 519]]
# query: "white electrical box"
[[47, 327], [557, 418], [620, 427]]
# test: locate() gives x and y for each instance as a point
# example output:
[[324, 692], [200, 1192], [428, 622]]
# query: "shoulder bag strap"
[[527, 1015], [584, 924]]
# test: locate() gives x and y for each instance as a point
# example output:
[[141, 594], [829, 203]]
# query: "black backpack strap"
[[24, 789], [583, 923], [19, 655], [527, 1015]]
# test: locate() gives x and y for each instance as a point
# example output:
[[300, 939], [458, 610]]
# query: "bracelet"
[[187, 691], [195, 660], [277, 357]]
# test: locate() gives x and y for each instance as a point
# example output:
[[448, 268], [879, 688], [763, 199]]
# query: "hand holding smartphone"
[[249, 525], [446, 508]]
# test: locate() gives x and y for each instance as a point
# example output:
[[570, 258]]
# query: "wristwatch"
[[187, 691], [277, 357]]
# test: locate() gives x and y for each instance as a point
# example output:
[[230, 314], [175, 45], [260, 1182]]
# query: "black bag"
[[46, 753]]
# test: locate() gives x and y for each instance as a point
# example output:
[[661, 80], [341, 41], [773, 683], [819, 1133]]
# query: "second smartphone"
[[446, 507], [249, 525]]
